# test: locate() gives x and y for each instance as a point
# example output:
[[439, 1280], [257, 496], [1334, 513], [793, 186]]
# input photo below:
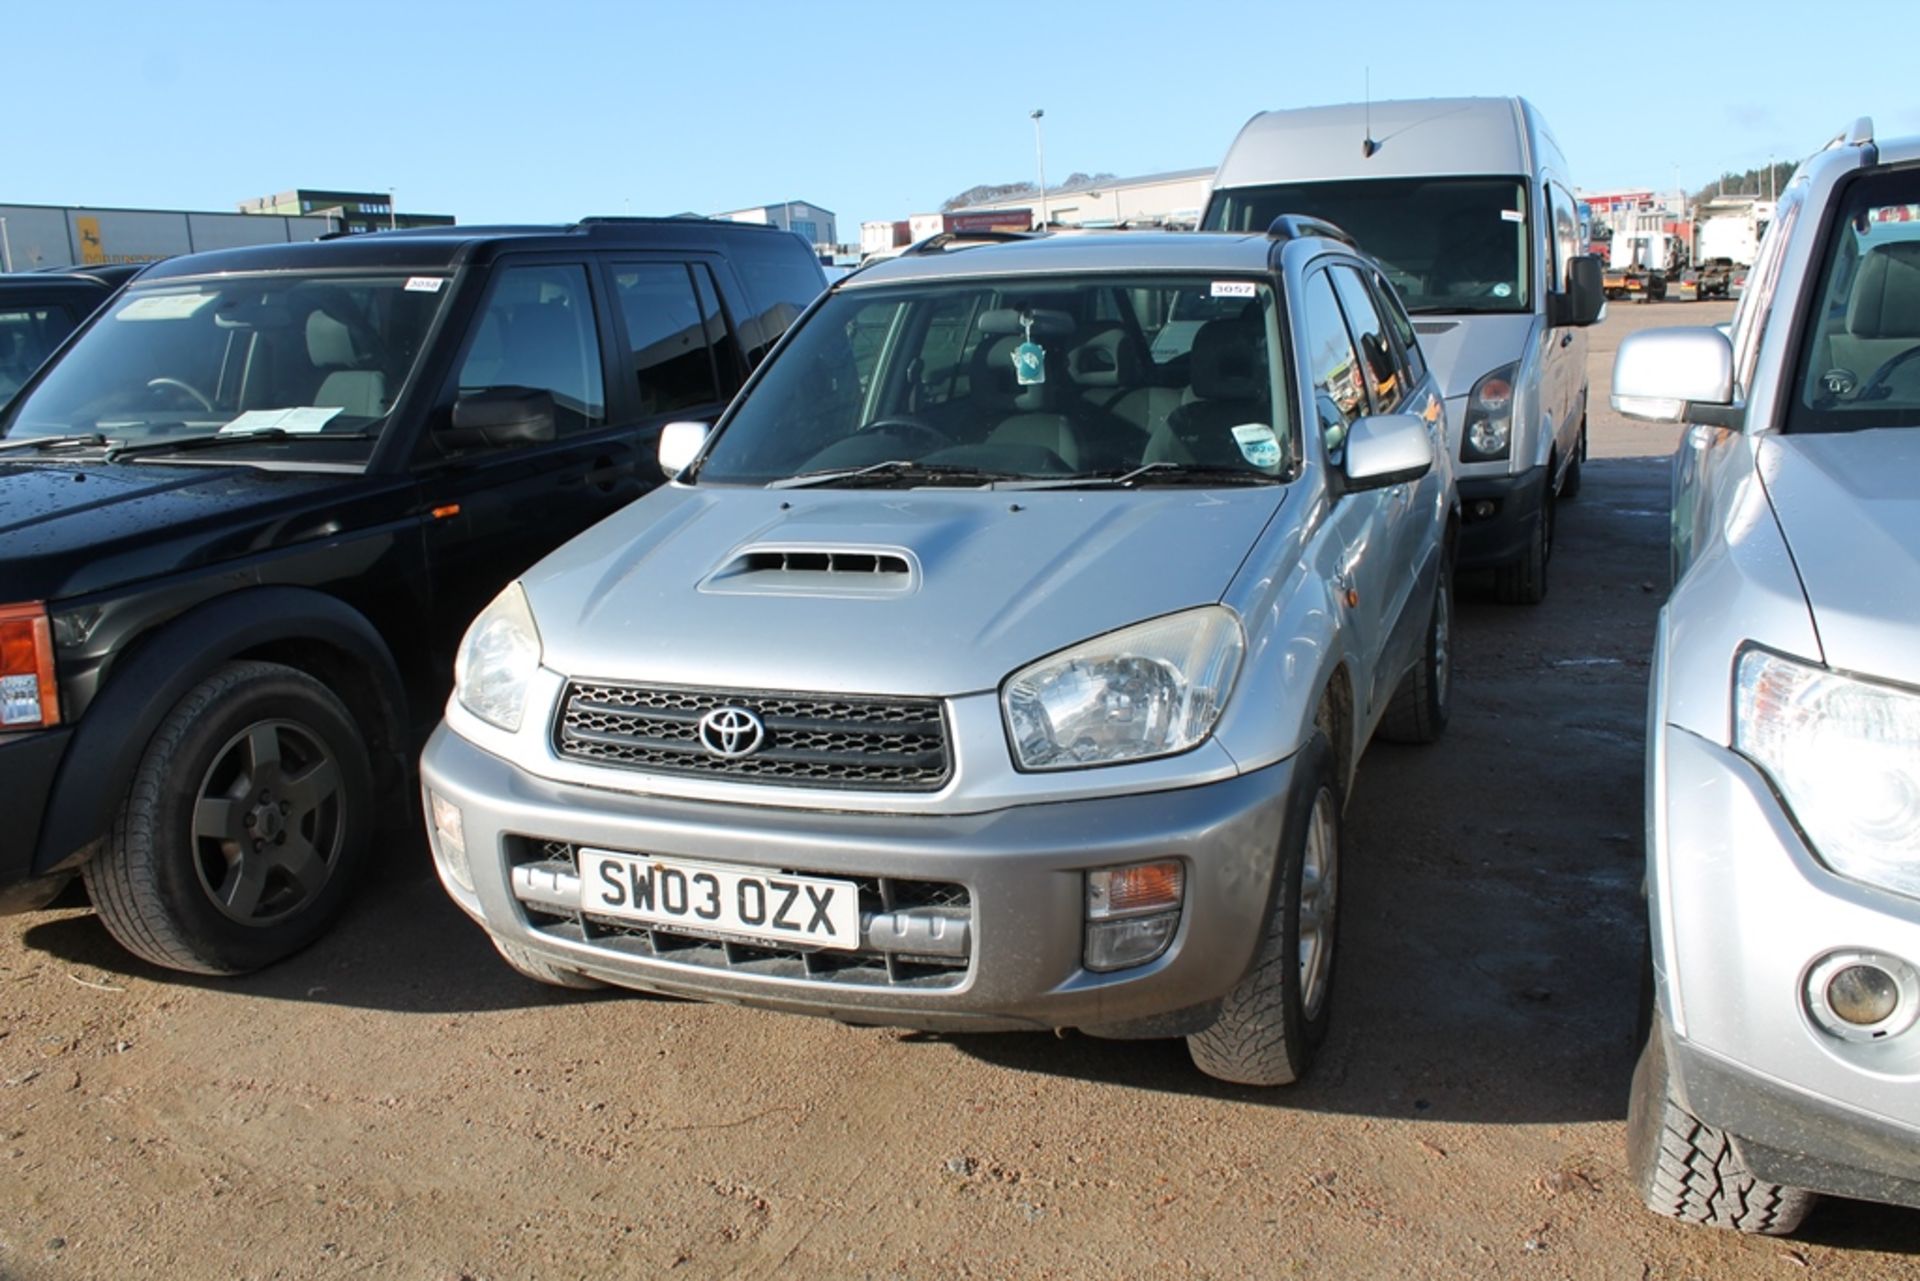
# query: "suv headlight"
[[1845, 756], [497, 659], [1153, 689]]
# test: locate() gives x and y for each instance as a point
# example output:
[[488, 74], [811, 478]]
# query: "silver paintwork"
[[995, 580], [679, 445], [1807, 544], [1387, 449], [1657, 373]]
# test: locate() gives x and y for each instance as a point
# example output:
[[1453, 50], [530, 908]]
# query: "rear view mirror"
[[1669, 375], [680, 444], [1585, 298], [1387, 449], [500, 416]]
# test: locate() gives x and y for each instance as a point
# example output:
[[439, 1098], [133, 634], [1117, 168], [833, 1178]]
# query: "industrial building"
[[810, 222], [1170, 199], [351, 211], [36, 236]]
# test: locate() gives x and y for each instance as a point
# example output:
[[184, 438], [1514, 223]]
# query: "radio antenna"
[[1367, 145]]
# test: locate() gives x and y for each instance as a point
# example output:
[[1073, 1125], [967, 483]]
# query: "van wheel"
[[540, 970], [248, 815], [1274, 1020], [1424, 697], [1524, 582], [1687, 1169]]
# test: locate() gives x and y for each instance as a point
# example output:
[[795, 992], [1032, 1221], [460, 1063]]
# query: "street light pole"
[[1040, 159], [393, 219], [6, 248]]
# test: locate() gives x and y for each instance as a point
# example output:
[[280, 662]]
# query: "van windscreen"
[[1448, 244]]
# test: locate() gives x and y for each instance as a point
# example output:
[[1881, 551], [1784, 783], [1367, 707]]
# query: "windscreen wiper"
[[1160, 473], [40, 443], [216, 439], [895, 469]]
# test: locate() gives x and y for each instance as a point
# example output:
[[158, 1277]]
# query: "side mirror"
[[1668, 375], [500, 416], [680, 444], [1585, 299], [1387, 449]]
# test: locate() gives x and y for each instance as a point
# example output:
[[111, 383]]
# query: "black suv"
[[247, 513], [39, 308]]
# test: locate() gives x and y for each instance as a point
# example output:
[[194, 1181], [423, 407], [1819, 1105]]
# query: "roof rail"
[[642, 220], [940, 242], [1861, 134], [1297, 226]]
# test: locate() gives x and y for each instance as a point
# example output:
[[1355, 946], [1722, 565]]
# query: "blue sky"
[[495, 111]]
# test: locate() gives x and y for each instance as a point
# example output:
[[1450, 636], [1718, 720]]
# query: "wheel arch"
[[301, 628]]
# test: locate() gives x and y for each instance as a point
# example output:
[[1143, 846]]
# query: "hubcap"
[[267, 822], [1319, 893]]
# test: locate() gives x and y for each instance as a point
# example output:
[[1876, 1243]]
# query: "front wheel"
[[1570, 480], [248, 814], [1524, 582], [1688, 1170], [1274, 1020], [1424, 697]]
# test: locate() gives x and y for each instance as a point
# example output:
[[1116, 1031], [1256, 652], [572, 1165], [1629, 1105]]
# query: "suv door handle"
[[1566, 339]]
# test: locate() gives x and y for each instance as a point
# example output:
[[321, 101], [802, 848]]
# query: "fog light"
[[1483, 508], [1131, 940], [449, 840], [1863, 996]]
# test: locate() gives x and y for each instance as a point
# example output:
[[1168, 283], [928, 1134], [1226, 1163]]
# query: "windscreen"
[[299, 355], [1860, 355], [1019, 379], [1447, 244]]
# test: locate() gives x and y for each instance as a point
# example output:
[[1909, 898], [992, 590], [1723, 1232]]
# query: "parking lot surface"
[[395, 1102]]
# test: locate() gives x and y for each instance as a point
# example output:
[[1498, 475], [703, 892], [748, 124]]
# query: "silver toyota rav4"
[[1783, 779], [999, 660]]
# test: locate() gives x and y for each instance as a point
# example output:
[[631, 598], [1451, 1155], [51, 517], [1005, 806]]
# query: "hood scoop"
[[804, 570]]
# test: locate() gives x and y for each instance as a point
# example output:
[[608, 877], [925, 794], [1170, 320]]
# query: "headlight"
[[1153, 689], [1845, 756], [1489, 421], [497, 659]]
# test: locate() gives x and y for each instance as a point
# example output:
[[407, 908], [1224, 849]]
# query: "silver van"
[[1467, 204], [995, 662]]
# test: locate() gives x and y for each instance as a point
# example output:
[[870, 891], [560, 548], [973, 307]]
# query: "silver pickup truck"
[[1000, 660]]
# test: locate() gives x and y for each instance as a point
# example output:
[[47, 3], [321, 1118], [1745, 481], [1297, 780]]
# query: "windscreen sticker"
[[1258, 444], [1232, 289], [1512, 215], [425, 284], [306, 419], [163, 306]]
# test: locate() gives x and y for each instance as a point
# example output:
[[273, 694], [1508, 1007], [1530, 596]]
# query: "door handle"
[[1566, 339]]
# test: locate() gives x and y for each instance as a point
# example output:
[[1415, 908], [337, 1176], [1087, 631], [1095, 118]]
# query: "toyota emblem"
[[732, 732]]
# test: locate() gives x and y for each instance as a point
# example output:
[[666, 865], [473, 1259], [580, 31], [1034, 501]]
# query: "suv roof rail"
[[1860, 135], [1297, 226], [643, 220], [942, 241]]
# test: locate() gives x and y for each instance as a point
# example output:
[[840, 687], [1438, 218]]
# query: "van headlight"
[[1153, 689], [497, 659], [1488, 431], [1844, 755]]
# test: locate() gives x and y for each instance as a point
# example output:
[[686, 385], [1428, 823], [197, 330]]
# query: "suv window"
[[1402, 327], [1385, 386], [1756, 304], [537, 331], [1339, 392], [672, 341], [26, 336], [1859, 363], [782, 277]]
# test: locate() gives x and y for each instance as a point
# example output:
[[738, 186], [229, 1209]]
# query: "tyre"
[[1570, 481], [1274, 1019], [540, 970], [1524, 582], [1424, 697], [1688, 1170], [249, 813]]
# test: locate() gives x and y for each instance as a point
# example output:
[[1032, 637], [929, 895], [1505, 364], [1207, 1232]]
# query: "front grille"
[[814, 740], [884, 901]]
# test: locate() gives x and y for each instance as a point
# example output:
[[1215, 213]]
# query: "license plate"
[[708, 898]]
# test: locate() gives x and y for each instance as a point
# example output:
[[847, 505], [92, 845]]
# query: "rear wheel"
[[248, 815], [1688, 1170], [1524, 582], [1274, 1020]]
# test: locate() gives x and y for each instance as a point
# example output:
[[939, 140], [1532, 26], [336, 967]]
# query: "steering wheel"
[[206, 401], [907, 427], [1875, 380]]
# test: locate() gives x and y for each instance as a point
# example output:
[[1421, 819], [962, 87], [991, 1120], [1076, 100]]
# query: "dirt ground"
[[395, 1102]]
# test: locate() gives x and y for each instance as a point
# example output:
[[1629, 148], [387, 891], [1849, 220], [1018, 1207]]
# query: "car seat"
[[348, 383], [1883, 315], [1230, 389]]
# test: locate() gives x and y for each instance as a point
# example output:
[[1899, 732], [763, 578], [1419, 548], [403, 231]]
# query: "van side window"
[[671, 341], [1379, 366], [1339, 392], [1564, 235], [537, 331], [1402, 327]]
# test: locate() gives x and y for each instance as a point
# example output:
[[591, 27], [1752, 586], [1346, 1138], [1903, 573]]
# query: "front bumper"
[[1741, 912], [1489, 539], [1022, 870], [28, 763]]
